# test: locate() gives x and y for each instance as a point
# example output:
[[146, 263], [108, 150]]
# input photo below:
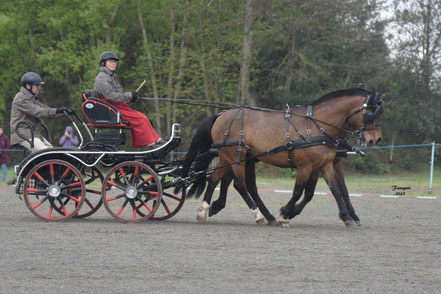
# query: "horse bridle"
[[371, 115]]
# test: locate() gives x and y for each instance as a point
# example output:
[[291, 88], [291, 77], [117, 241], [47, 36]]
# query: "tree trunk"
[[109, 25], [246, 52], [290, 67], [172, 63], [202, 58], [183, 57], [152, 70]]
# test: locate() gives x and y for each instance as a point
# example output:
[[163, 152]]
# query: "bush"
[[371, 163]]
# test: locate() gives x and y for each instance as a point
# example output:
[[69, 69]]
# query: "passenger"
[[69, 140], [107, 85], [26, 107]]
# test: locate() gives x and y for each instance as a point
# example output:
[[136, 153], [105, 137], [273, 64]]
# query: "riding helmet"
[[106, 56], [31, 78]]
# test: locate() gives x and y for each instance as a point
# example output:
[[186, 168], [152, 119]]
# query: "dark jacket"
[[4, 144], [26, 107]]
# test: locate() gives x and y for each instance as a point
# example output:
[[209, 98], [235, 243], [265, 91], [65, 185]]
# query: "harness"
[[303, 142]]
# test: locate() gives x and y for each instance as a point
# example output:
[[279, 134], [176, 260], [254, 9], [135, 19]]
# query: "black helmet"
[[106, 56], [31, 78]]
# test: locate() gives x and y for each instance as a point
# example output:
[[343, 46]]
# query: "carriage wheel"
[[93, 180], [54, 190], [170, 205], [132, 192]]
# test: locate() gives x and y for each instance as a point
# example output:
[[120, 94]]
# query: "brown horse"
[[245, 134]]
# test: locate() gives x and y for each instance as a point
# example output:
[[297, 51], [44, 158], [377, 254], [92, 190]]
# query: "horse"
[[249, 133]]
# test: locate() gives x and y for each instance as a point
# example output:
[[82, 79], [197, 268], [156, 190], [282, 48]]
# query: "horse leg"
[[219, 204], [331, 179], [250, 172], [213, 180], [338, 168], [287, 212], [309, 192]]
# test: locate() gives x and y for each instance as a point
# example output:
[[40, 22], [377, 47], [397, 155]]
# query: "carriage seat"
[[104, 117], [100, 113]]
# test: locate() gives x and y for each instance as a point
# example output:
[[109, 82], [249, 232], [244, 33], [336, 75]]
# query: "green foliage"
[[301, 50], [371, 163]]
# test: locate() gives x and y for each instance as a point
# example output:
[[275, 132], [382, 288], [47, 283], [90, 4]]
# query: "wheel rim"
[[132, 192], [54, 190], [170, 205], [93, 179]]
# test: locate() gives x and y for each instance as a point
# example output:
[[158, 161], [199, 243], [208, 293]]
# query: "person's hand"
[[67, 134], [134, 97], [61, 110], [70, 111]]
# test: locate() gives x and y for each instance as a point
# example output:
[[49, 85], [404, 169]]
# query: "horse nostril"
[[371, 142], [378, 141]]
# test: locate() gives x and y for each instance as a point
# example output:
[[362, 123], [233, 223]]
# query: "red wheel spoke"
[[143, 204], [114, 198], [41, 178], [126, 181], [136, 171], [66, 172], [122, 207], [36, 191], [89, 204], [74, 199], [50, 212], [93, 191], [165, 206], [51, 168], [40, 202], [76, 184], [172, 196], [148, 179]]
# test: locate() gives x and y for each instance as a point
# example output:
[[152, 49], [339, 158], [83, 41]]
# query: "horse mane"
[[341, 93]]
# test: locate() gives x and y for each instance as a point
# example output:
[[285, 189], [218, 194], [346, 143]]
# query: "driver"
[[143, 134], [26, 107]]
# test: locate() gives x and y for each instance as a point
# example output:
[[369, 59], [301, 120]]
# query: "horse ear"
[[378, 96]]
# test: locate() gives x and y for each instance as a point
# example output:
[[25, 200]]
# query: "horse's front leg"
[[261, 212], [338, 169], [288, 211], [328, 173]]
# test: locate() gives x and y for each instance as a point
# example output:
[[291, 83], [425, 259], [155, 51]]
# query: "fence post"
[[431, 166]]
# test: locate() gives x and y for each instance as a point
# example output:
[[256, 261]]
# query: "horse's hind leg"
[[250, 178], [333, 184], [288, 211], [309, 192], [338, 168], [219, 204], [213, 180]]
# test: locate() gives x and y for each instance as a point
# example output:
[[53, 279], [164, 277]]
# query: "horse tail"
[[200, 152]]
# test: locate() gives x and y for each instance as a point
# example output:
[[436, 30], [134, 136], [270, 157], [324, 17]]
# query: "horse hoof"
[[201, 218], [358, 223], [284, 223], [202, 209], [350, 223], [260, 220], [273, 223], [258, 216]]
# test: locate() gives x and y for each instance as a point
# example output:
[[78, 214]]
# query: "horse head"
[[366, 121], [370, 131]]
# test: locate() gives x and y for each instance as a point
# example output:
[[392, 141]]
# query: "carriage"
[[56, 182], [60, 183]]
